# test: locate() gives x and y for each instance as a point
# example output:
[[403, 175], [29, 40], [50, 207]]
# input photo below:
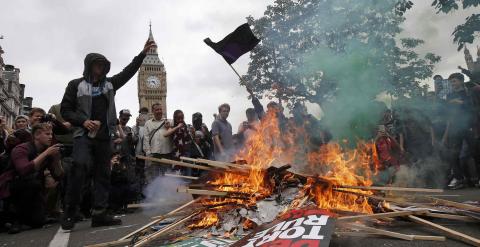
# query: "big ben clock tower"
[[152, 80]]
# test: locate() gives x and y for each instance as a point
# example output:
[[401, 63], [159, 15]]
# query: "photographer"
[[38, 115], [36, 167]]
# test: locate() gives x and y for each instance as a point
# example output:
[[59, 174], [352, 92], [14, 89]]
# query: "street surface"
[[84, 235]]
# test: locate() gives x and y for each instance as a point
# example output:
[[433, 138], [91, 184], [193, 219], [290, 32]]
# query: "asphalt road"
[[85, 235]]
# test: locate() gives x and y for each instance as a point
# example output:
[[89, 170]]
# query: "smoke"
[[353, 112], [342, 55], [429, 173], [163, 191]]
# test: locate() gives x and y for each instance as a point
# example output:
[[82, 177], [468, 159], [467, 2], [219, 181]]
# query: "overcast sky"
[[48, 41]]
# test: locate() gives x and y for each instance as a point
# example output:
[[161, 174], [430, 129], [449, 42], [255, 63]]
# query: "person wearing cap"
[[89, 105], [127, 144], [21, 122]]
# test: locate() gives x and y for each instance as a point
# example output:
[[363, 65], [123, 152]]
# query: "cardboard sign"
[[296, 228], [202, 242]]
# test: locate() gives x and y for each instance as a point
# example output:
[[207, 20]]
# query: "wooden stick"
[[124, 242], [181, 176], [160, 219], [224, 164], [409, 237], [188, 159], [382, 232], [144, 205], [455, 204], [172, 162], [164, 230], [184, 189], [372, 234], [401, 203], [451, 217], [447, 231], [380, 215], [390, 188]]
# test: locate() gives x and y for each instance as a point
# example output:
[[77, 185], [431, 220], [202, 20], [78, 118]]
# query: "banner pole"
[[239, 77]]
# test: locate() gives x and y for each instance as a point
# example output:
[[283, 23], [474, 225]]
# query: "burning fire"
[[207, 219], [328, 167]]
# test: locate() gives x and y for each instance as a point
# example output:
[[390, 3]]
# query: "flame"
[[329, 167], [248, 224], [207, 219]]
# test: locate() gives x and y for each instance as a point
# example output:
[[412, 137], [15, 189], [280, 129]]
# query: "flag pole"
[[234, 70]]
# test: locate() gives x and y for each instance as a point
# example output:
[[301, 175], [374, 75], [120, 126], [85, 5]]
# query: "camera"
[[47, 118], [66, 150]]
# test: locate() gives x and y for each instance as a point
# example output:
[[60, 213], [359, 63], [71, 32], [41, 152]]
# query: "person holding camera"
[[36, 167], [38, 115], [89, 105]]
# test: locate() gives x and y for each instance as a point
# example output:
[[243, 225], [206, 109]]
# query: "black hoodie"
[[78, 105]]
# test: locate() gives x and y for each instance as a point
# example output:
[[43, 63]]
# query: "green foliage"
[[293, 30], [465, 33], [340, 54]]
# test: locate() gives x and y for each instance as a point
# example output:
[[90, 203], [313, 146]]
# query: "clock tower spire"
[[152, 79]]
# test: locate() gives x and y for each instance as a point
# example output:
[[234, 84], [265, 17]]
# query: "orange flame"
[[207, 219], [335, 165]]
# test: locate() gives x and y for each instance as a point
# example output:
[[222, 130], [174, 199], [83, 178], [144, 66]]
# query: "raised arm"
[[128, 72], [256, 104]]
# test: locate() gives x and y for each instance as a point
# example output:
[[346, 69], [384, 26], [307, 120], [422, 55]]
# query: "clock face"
[[153, 82]]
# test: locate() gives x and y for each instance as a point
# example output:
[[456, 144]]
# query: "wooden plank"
[[181, 176], [188, 159], [226, 164], [184, 189], [397, 202], [447, 231], [429, 238], [401, 189], [379, 215], [164, 230], [124, 242], [160, 219], [372, 234], [144, 205], [382, 232], [173, 162], [454, 204], [451, 217]]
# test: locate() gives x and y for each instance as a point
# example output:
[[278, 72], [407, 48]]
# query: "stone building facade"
[[12, 100]]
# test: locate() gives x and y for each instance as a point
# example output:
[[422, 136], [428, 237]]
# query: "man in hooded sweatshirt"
[[89, 105]]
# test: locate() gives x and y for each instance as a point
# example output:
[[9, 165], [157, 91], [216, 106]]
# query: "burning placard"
[[296, 228], [202, 242]]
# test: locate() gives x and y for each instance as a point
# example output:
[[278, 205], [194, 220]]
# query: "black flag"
[[235, 44]]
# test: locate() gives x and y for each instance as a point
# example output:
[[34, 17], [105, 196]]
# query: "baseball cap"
[[126, 112]]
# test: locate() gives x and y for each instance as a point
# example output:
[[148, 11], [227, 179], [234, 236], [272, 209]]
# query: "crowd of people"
[[80, 161]]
